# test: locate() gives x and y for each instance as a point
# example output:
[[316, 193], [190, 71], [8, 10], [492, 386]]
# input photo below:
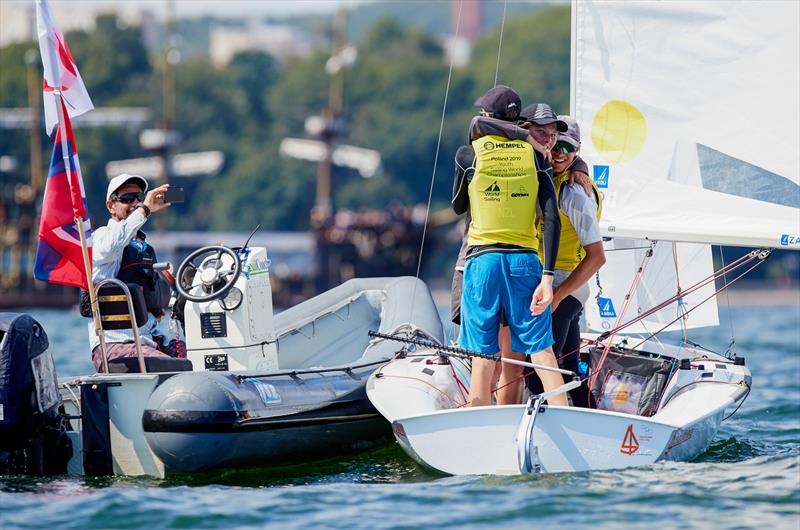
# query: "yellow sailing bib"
[[503, 193], [570, 251]]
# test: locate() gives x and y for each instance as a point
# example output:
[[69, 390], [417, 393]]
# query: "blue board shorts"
[[497, 282]]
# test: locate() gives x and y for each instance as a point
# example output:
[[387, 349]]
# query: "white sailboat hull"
[[458, 440]]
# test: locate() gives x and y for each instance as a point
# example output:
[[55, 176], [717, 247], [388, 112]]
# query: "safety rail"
[[126, 296]]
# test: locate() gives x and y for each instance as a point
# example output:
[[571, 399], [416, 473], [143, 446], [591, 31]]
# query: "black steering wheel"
[[216, 282]]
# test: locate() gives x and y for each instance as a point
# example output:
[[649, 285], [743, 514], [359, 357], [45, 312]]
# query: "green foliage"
[[13, 73], [394, 96], [534, 60], [113, 62]]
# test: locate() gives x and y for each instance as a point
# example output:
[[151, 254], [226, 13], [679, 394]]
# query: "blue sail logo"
[[601, 176], [788, 240], [606, 307]]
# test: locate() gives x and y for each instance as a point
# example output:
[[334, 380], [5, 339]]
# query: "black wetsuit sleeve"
[[579, 165], [549, 207], [482, 126], [465, 168]]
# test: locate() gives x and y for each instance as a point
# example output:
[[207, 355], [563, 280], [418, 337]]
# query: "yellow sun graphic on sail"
[[618, 131]]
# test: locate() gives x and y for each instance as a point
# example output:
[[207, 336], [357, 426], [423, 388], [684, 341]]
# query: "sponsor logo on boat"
[[267, 392], [629, 445], [606, 307], [680, 438], [788, 240], [256, 268], [601, 176]]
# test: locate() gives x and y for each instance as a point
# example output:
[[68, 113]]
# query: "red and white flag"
[[60, 71], [58, 254]]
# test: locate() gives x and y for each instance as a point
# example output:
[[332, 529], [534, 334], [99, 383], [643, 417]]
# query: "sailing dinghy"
[[676, 123]]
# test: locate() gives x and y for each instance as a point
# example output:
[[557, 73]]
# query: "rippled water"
[[749, 478]]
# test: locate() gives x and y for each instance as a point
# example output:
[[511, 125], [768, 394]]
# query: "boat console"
[[228, 316]]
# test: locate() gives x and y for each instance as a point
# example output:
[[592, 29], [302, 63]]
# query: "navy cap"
[[502, 102]]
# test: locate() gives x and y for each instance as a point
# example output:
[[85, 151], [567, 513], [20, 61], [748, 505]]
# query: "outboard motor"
[[228, 314], [32, 430]]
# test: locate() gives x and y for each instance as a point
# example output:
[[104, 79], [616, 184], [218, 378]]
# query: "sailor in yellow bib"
[[502, 273], [580, 253]]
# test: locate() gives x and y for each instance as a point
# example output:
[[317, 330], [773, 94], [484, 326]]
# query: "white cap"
[[118, 181], [573, 133]]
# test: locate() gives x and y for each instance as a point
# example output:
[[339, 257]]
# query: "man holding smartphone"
[[119, 250]]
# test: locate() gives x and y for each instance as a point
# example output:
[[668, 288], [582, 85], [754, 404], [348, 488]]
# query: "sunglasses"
[[564, 147], [127, 198]]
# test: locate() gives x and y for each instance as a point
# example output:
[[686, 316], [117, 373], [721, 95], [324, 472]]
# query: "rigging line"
[[500, 42], [679, 291], [435, 163], [744, 260], [732, 346], [626, 248], [749, 388], [634, 285], [715, 293]]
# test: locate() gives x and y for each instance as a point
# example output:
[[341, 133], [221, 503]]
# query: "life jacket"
[[570, 250], [503, 193], [137, 267]]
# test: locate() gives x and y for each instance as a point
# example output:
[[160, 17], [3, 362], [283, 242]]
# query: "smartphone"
[[173, 194]]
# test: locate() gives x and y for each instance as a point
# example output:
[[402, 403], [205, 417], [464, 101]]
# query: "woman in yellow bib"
[[580, 254]]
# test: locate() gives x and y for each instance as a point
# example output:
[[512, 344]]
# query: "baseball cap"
[[118, 181], [542, 114], [573, 133], [502, 101]]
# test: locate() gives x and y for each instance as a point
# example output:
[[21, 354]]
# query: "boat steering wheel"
[[215, 281]]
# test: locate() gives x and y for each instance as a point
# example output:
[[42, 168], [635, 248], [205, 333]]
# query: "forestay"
[[678, 102]]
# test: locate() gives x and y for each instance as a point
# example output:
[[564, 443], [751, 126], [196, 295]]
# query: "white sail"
[[690, 114]]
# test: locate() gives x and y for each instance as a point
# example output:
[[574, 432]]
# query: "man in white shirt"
[[130, 205]]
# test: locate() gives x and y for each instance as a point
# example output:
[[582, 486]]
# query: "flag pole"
[[98, 328]]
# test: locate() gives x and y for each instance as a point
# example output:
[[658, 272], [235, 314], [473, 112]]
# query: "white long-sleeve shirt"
[[108, 244], [582, 213]]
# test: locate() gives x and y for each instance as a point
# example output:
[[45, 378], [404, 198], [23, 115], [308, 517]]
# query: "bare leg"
[[509, 386], [480, 386], [550, 380], [496, 378]]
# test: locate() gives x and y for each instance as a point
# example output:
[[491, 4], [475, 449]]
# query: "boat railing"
[[117, 318]]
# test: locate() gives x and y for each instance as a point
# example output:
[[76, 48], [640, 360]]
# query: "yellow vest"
[[503, 193], [570, 251]]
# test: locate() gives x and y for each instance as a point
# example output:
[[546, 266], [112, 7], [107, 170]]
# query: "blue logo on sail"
[[606, 308], [601, 176], [788, 240]]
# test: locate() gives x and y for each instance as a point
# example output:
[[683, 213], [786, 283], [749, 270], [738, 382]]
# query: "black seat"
[[114, 307], [130, 365], [114, 314]]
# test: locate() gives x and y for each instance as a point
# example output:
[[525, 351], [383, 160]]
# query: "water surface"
[[749, 477]]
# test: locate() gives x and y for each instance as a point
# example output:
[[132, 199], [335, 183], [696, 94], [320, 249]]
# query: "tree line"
[[393, 102]]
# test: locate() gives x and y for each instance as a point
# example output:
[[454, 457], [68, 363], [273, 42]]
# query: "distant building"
[[281, 42], [471, 24], [466, 23]]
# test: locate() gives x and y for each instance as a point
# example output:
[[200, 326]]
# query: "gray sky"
[[17, 19]]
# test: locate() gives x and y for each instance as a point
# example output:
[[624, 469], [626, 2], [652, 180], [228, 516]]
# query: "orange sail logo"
[[629, 443]]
